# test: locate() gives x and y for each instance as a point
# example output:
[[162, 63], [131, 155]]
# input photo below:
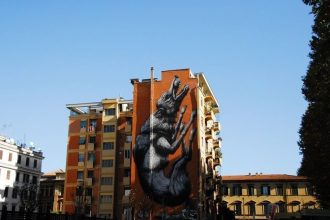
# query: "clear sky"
[[253, 53]]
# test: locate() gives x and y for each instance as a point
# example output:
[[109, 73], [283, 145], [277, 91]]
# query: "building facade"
[[97, 179], [19, 166], [51, 192], [250, 196], [177, 149]]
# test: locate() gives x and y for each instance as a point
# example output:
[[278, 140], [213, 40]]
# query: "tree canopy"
[[315, 126]]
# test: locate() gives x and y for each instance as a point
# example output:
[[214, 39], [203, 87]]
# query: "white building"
[[18, 165]]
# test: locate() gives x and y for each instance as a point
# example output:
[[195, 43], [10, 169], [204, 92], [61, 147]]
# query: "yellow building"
[[249, 196], [51, 191]]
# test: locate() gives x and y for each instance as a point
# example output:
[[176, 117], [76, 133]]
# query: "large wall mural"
[[163, 134]]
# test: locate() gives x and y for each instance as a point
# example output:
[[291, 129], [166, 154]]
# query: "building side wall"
[[142, 106]]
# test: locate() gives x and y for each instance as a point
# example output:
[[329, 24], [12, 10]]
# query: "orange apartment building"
[[175, 169], [97, 178]]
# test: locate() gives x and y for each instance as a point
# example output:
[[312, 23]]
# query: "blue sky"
[[253, 53]]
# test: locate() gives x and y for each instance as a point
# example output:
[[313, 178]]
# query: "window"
[[17, 177], [35, 164], [15, 192], [26, 178], [106, 180], [127, 173], [279, 190], [82, 140], [10, 157], [80, 175], [106, 198], [92, 125], [5, 193], [309, 190], [19, 158], [127, 154], [294, 189], [252, 208], [108, 145], [91, 156], [34, 179], [265, 208], [237, 190], [110, 111], [27, 162], [92, 139], [89, 192], [250, 190], [224, 190], [238, 208], [13, 207], [128, 121], [127, 191], [128, 138], [265, 190], [109, 128], [81, 157], [79, 191], [107, 163], [8, 174], [83, 124], [1, 154], [90, 174], [281, 207]]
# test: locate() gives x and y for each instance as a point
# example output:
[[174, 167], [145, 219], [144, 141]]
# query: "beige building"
[[52, 191], [249, 196]]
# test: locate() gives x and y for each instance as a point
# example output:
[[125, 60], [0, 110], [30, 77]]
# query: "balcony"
[[128, 128], [125, 200], [106, 207], [127, 145], [89, 181], [90, 164], [107, 188], [216, 162], [92, 129], [107, 153], [107, 170], [208, 134], [126, 181], [81, 146], [215, 144], [127, 162], [208, 154], [88, 200], [90, 146], [216, 126]]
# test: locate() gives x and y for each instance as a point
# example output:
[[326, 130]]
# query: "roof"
[[53, 173], [263, 177]]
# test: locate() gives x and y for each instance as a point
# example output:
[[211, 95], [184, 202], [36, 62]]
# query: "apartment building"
[[97, 178], [19, 166], [250, 196], [51, 192], [175, 170]]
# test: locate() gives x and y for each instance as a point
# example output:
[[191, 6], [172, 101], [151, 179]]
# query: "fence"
[[9, 215]]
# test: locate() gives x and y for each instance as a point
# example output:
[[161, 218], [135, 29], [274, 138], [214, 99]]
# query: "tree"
[[314, 133], [29, 196]]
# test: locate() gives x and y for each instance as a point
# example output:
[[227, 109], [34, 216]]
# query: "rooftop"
[[263, 177]]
